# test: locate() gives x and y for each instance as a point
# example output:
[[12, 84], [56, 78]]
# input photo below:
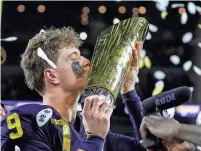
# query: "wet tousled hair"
[[50, 41]]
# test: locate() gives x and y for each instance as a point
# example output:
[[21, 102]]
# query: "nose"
[[85, 62]]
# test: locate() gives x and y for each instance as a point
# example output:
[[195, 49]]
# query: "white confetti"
[[159, 75], [184, 18], [169, 113], [17, 148], [187, 37], [175, 59], [187, 65], [116, 21], [191, 88], [148, 36], [9, 39], [143, 53], [159, 83], [191, 8], [177, 5], [153, 28], [137, 79], [83, 35], [42, 54], [198, 8], [199, 44], [42, 31], [160, 6], [197, 70]]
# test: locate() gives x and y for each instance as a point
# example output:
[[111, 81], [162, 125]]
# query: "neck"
[[64, 102]]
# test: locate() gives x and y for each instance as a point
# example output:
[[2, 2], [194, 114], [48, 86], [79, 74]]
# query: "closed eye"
[[75, 56]]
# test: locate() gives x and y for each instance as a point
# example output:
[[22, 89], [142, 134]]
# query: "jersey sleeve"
[[19, 128], [134, 106], [118, 142]]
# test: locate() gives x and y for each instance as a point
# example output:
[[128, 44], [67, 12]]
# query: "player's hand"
[[185, 146], [164, 128], [96, 115], [131, 78]]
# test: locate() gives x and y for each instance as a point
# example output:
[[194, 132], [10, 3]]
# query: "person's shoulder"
[[30, 109], [30, 113]]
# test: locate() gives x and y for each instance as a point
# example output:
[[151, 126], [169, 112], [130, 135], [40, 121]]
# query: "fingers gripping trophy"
[[112, 57]]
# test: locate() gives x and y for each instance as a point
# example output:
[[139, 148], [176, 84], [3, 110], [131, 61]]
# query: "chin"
[[82, 83]]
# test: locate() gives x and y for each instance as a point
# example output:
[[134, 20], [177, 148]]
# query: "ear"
[[51, 76]]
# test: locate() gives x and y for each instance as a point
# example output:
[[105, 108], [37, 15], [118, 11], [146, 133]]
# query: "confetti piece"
[[137, 80], [184, 18], [42, 31], [153, 28], [162, 5], [199, 44], [157, 90], [141, 65], [198, 8], [147, 62], [159, 75], [9, 39], [191, 8], [17, 148], [164, 14], [41, 54], [159, 83], [83, 35], [187, 65], [148, 36], [159, 86], [116, 21], [177, 5], [143, 53], [191, 88], [175, 59], [169, 113], [197, 70], [199, 26], [187, 37]]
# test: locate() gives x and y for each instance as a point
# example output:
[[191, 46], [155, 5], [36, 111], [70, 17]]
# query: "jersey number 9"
[[13, 121]]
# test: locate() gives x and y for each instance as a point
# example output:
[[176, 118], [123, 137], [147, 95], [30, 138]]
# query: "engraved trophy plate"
[[113, 56]]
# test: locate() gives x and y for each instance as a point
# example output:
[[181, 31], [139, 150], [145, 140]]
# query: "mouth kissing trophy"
[[112, 57]]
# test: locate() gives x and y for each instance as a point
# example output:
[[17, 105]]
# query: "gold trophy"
[[113, 56]]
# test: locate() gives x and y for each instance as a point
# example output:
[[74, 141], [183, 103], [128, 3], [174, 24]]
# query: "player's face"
[[72, 69]]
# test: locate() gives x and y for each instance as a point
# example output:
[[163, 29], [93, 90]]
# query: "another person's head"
[[61, 46]]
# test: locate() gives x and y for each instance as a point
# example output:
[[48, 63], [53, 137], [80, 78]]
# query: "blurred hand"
[[177, 146], [185, 146], [96, 115], [164, 128], [130, 80]]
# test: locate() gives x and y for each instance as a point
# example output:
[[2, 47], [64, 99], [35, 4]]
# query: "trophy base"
[[97, 91]]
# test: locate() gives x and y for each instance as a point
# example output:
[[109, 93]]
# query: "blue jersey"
[[40, 128]]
